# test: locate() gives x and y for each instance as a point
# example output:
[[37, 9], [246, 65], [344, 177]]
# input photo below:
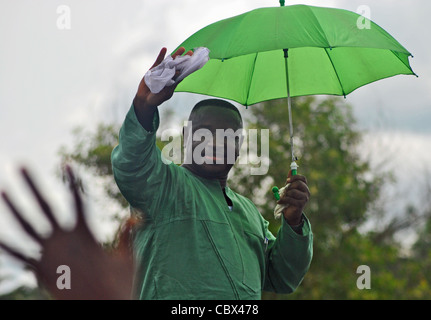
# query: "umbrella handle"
[[294, 167]]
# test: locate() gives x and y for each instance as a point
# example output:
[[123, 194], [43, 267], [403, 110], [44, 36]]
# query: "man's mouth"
[[215, 160]]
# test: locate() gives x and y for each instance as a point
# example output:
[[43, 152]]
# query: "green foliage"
[[92, 151], [344, 193], [26, 293], [326, 145], [334, 275]]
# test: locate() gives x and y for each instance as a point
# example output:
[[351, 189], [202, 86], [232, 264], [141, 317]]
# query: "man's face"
[[213, 140]]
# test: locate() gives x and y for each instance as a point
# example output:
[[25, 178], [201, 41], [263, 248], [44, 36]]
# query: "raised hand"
[[145, 96], [145, 101], [93, 272]]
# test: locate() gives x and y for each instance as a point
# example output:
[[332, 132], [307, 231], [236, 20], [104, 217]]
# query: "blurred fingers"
[[18, 256], [24, 224], [79, 208], [42, 203]]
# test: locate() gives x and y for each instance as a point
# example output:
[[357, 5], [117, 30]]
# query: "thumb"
[[289, 176]]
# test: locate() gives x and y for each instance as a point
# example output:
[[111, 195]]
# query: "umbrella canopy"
[[298, 50], [328, 52]]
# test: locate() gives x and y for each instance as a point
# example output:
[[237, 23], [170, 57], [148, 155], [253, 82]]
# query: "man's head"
[[213, 138]]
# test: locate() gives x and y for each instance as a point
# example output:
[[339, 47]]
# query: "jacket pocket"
[[254, 252], [253, 256], [226, 248]]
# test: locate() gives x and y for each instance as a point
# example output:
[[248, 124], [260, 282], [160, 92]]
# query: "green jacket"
[[191, 245]]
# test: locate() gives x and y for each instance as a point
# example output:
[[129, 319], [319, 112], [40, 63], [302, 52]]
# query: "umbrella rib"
[[395, 53], [336, 73], [251, 79], [321, 28]]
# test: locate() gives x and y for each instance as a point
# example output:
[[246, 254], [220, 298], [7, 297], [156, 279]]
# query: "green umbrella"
[[289, 51]]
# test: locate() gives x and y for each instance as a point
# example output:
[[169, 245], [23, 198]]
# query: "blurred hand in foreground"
[[94, 273]]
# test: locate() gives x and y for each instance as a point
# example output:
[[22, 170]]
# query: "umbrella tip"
[[281, 3]]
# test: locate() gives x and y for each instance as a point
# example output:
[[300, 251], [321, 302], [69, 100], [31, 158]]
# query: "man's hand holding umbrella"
[[295, 197]]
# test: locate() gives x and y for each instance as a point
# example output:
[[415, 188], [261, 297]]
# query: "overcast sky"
[[53, 80]]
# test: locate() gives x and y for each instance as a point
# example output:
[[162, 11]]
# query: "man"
[[200, 239]]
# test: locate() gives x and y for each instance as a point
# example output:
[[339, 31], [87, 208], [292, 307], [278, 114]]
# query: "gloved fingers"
[[175, 68]]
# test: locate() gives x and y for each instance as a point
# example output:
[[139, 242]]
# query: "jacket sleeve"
[[137, 164], [288, 258]]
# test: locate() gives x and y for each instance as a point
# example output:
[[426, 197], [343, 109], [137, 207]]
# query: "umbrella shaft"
[[289, 107], [290, 127]]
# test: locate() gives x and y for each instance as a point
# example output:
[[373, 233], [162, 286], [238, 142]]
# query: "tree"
[[92, 154], [92, 151], [343, 190], [344, 194], [341, 186]]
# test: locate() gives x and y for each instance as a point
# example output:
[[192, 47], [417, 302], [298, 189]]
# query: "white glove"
[[278, 210], [161, 75]]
